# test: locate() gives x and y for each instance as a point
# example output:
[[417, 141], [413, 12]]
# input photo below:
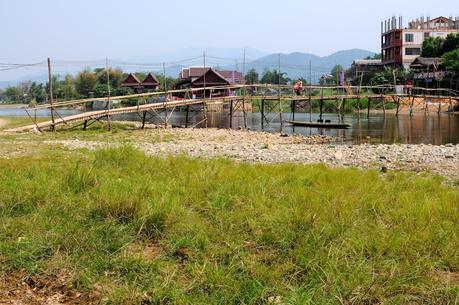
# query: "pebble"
[[264, 147]]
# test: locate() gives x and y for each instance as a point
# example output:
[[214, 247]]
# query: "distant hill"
[[297, 64], [294, 64]]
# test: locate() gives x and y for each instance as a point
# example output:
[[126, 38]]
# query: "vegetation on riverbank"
[[131, 229]]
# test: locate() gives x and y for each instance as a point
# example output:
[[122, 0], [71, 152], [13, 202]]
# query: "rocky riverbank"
[[263, 147]]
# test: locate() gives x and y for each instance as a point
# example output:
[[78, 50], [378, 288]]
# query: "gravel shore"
[[263, 147]]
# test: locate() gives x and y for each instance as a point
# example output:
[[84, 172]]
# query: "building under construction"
[[400, 45]]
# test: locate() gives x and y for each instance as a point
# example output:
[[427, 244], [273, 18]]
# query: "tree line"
[[87, 83]]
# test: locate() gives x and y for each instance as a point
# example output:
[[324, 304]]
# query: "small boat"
[[319, 124]]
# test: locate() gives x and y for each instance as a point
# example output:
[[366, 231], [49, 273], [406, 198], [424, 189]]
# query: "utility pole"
[[245, 92], [281, 114], [204, 66], [51, 98], [205, 72], [165, 95], [109, 94], [164, 76], [310, 91]]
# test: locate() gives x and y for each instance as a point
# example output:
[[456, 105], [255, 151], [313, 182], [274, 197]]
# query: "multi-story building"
[[400, 46]]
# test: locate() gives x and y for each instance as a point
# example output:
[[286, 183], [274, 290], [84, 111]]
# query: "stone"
[[338, 155]]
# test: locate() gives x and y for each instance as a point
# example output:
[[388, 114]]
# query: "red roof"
[[131, 81], [232, 76], [211, 78], [150, 80], [194, 72]]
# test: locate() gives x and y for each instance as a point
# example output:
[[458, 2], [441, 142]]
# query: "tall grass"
[[181, 231]]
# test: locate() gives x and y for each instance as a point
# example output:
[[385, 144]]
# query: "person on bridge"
[[409, 87], [298, 87]]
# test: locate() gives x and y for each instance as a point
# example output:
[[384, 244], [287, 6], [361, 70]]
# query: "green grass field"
[[144, 230]]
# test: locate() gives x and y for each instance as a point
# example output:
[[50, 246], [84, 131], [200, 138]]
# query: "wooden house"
[[198, 77], [150, 82], [427, 69], [132, 82], [233, 77]]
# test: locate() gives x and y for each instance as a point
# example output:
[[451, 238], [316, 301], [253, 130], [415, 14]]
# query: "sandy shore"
[[13, 106], [3, 122], [262, 147]]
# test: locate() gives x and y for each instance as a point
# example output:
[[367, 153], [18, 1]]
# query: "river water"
[[431, 129]]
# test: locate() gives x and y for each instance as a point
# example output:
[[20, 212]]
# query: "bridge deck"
[[101, 113], [402, 99]]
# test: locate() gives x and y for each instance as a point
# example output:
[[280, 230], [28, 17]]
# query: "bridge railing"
[[264, 90]]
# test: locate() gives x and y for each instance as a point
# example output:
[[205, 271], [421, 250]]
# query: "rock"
[[338, 155]]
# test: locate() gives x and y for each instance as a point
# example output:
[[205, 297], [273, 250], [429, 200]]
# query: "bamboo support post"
[[187, 114], [368, 107], [144, 117], [262, 114], [231, 114]]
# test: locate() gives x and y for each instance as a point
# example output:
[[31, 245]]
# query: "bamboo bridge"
[[270, 99]]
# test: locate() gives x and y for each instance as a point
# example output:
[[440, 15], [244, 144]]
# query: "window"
[[409, 37], [397, 35], [426, 35], [413, 51]]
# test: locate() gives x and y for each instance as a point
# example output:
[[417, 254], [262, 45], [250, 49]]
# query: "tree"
[[337, 69], [68, 87], [431, 47], [57, 89], [252, 77], [450, 44], [387, 77], [274, 77], [85, 82], [169, 81], [11, 94], [451, 60], [37, 93], [376, 56], [116, 76]]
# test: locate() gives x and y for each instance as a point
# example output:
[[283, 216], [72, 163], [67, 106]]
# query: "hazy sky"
[[93, 29]]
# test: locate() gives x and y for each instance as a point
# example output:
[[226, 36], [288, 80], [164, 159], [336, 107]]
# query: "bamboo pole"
[[51, 98], [244, 93], [109, 93]]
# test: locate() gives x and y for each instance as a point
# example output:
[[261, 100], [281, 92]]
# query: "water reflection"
[[430, 129]]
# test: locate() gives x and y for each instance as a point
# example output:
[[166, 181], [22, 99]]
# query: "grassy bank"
[[178, 231]]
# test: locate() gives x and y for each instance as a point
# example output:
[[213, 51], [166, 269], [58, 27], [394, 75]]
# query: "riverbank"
[[13, 106], [263, 147], [244, 146]]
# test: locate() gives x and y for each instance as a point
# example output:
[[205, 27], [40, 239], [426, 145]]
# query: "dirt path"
[[3, 122]]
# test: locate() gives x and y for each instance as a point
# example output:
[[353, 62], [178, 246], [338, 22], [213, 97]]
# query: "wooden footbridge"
[[271, 99]]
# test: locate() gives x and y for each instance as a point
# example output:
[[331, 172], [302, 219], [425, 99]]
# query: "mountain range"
[[295, 64]]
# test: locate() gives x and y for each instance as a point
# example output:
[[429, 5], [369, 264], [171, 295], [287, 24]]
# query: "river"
[[431, 129]]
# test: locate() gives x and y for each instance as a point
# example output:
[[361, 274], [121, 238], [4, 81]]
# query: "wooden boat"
[[320, 125]]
